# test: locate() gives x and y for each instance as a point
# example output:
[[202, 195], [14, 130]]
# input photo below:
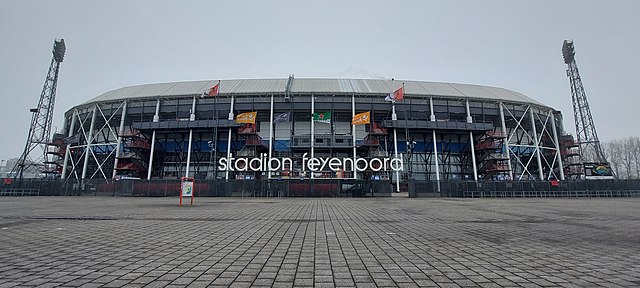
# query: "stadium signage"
[[263, 163]]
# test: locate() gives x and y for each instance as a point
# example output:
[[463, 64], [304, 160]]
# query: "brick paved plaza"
[[288, 242]]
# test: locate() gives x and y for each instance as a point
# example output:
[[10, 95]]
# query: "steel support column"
[[89, 140], [469, 118], [353, 132], [156, 118], [506, 142], [555, 139], [226, 173], [472, 143], [311, 141], [186, 174], [270, 138], [119, 142], [67, 151], [153, 146], [536, 141], [432, 117], [192, 116], [435, 157], [473, 156]]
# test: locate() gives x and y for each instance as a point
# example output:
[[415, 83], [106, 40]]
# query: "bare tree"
[[624, 156], [635, 144], [627, 156], [612, 152]]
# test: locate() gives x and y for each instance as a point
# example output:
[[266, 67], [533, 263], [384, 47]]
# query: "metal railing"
[[321, 188], [19, 192], [207, 188], [483, 189]]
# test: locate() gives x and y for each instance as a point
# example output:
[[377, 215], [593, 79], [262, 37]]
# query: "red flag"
[[398, 94], [214, 90]]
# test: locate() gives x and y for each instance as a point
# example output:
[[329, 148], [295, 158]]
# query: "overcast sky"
[[509, 44]]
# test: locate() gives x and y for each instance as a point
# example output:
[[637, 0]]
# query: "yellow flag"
[[362, 118], [246, 117]]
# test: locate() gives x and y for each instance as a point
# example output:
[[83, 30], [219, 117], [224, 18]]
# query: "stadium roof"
[[316, 85]]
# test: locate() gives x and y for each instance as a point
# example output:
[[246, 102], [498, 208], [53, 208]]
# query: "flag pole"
[[353, 132], [215, 130], [313, 111], [394, 117], [226, 173]]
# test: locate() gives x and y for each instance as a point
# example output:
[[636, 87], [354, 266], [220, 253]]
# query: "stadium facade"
[[440, 131]]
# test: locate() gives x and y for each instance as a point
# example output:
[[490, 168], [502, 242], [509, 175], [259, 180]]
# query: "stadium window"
[[440, 102], [419, 101]]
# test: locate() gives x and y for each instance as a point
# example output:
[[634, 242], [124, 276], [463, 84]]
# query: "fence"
[[480, 189], [203, 188], [321, 188]]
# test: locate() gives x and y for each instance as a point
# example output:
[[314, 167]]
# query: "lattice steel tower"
[[35, 155], [587, 137]]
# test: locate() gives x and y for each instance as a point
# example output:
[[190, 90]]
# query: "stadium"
[[439, 131]]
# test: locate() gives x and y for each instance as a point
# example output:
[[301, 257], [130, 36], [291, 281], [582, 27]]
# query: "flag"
[[399, 94], [214, 90], [322, 117], [361, 118], [247, 117], [396, 95], [282, 117]]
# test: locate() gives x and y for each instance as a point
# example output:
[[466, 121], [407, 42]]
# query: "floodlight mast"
[[587, 136], [35, 150]]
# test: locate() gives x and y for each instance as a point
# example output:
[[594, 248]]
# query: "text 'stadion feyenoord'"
[[263, 163]]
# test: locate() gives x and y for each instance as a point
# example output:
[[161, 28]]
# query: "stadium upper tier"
[[240, 87]]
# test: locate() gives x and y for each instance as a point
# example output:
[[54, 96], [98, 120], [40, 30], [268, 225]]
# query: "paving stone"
[[222, 281], [263, 282], [285, 278], [299, 282], [282, 284], [323, 242], [238, 284], [366, 285]]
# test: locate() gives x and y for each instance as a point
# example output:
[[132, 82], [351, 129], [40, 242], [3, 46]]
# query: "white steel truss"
[[531, 142], [103, 138]]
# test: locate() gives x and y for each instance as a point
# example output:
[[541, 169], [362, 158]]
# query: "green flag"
[[323, 117]]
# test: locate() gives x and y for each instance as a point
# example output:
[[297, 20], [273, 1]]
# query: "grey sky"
[[509, 44]]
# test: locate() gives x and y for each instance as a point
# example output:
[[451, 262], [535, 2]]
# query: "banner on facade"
[[596, 171], [322, 117]]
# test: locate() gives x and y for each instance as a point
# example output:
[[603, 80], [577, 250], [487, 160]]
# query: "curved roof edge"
[[316, 85]]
